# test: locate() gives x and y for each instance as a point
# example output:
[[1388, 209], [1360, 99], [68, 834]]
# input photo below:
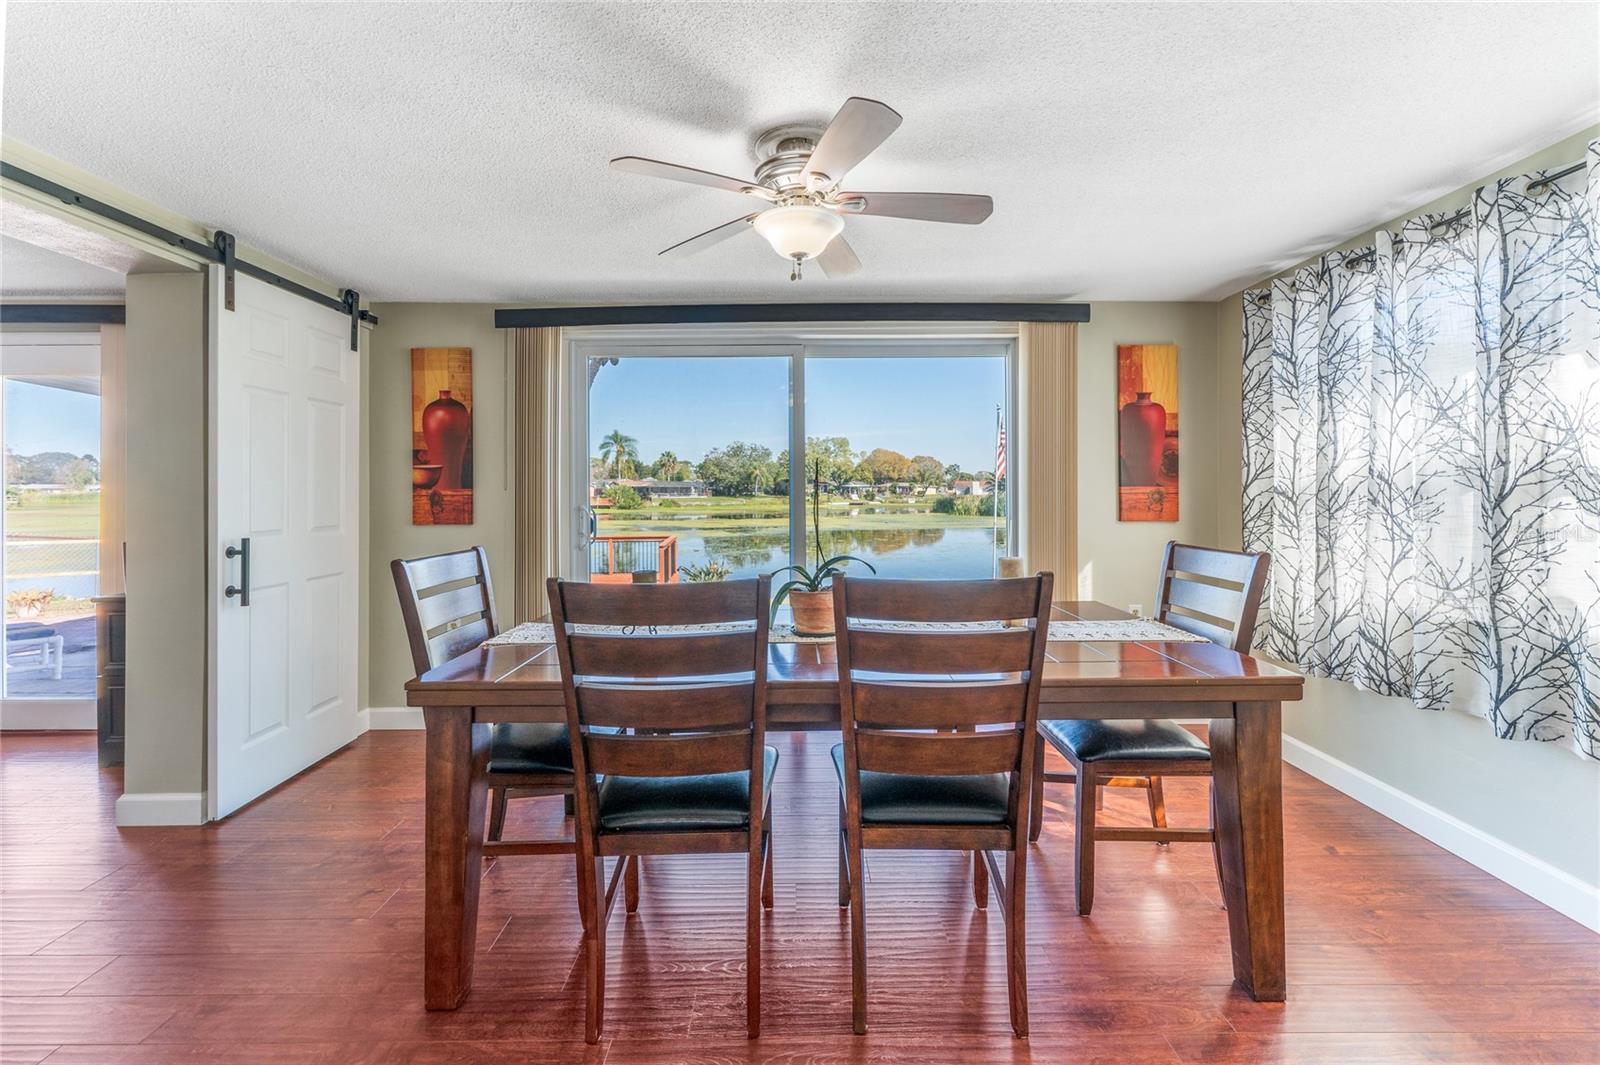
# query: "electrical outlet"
[[1136, 609]]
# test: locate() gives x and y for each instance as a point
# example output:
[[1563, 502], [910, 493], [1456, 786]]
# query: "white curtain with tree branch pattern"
[[1422, 458]]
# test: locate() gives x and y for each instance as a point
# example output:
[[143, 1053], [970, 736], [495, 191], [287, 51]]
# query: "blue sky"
[[39, 418], [937, 406]]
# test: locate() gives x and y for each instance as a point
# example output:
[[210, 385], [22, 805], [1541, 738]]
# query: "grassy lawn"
[[40, 552], [72, 515]]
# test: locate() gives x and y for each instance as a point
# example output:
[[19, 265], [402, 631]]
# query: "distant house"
[[855, 489], [648, 487], [652, 488], [969, 488]]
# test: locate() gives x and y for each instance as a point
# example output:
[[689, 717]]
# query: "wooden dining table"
[[1239, 695]]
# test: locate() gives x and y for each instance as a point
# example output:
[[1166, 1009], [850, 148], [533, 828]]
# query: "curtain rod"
[[220, 250], [706, 313], [1370, 254], [1557, 176]]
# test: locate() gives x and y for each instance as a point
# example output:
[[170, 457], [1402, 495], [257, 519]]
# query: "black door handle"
[[242, 553]]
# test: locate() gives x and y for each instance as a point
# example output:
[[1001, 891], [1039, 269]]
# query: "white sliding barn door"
[[285, 477]]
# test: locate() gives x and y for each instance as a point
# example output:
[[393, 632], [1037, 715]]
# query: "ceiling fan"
[[798, 177]]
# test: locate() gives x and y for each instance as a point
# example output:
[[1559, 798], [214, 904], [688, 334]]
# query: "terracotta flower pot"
[[813, 612]]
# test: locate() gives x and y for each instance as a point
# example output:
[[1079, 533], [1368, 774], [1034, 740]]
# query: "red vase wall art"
[[441, 436], [1147, 432], [446, 428], [1143, 428]]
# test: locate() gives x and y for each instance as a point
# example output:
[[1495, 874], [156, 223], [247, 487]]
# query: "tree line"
[[52, 467], [745, 469]]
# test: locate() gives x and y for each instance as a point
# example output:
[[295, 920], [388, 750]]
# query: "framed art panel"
[[1147, 432], [441, 436]]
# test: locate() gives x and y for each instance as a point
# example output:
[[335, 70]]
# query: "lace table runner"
[[1131, 630]]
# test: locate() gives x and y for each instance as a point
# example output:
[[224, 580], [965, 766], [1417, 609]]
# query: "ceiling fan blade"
[[633, 164], [960, 207], [859, 127], [839, 259], [701, 241]]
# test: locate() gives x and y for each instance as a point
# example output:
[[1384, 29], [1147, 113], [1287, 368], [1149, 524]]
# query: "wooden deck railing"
[[634, 558]]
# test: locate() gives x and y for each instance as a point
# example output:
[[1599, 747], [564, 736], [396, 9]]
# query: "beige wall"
[[401, 327], [165, 518], [1535, 797], [1117, 560]]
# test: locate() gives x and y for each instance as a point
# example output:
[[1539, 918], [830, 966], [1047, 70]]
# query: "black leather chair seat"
[[911, 799], [529, 747], [1099, 741], [712, 802]]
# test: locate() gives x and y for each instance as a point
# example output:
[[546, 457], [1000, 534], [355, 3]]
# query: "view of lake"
[[930, 552], [901, 457]]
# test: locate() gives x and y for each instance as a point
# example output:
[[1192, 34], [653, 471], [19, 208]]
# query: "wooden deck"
[[291, 934], [620, 558]]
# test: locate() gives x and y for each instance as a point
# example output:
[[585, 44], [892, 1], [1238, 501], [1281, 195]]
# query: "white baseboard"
[[1532, 876], [150, 809], [393, 718]]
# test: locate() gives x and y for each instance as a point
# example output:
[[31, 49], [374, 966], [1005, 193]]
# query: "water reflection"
[[896, 552]]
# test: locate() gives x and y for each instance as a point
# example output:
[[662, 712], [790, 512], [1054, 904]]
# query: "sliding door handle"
[[242, 590]]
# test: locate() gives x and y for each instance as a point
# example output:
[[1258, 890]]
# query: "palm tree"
[[621, 451], [668, 465]]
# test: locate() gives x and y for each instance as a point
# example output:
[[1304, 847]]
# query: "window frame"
[[798, 344]]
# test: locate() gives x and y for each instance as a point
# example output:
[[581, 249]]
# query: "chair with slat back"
[[939, 729], [1204, 591], [669, 745], [448, 604]]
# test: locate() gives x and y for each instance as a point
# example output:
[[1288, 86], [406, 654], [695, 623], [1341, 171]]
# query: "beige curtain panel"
[[1048, 352], [536, 432], [113, 457]]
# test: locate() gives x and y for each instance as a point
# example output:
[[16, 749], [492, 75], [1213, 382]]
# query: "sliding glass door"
[[715, 461], [50, 388]]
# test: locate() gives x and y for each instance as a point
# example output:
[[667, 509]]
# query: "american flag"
[[1000, 448]]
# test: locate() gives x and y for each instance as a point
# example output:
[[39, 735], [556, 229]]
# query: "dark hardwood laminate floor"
[[291, 934]]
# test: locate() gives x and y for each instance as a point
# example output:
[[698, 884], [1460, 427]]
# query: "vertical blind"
[[539, 450], [1048, 352]]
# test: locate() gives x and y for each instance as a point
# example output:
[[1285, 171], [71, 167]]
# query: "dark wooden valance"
[[62, 313], [709, 313]]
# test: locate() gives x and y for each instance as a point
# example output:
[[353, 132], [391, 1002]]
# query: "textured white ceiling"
[[27, 270], [435, 151]]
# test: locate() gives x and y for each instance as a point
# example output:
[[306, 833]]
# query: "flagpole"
[[994, 538]]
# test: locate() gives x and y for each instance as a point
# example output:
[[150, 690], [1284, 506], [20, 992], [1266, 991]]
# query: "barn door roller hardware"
[[221, 250]]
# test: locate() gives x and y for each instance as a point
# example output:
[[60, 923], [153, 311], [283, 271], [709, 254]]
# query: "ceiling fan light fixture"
[[798, 232]]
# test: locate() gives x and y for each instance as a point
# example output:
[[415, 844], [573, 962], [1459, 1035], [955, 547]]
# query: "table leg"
[[457, 751], [1247, 763]]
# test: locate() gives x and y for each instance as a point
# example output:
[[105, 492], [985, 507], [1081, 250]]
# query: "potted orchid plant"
[[810, 592]]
